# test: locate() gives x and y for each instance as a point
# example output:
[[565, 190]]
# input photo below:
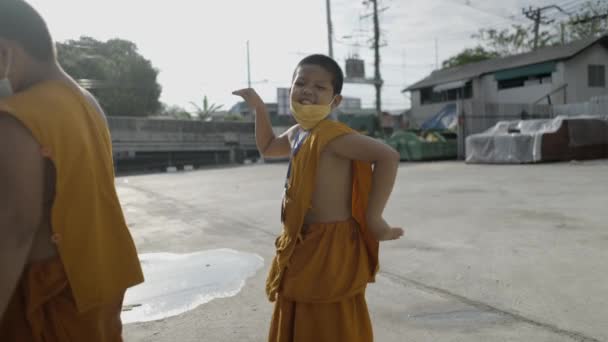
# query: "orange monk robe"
[[318, 277], [76, 296], [43, 310]]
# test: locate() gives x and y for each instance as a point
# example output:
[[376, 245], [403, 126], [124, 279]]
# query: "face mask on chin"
[[308, 116]]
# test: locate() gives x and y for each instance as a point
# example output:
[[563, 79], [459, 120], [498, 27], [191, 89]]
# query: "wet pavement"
[[176, 283], [491, 253]]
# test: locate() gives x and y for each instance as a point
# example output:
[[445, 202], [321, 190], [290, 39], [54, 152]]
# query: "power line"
[[572, 4], [508, 22], [568, 8], [589, 19], [407, 65], [510, 18]]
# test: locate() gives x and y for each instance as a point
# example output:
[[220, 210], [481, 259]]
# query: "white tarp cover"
[[516, 142]]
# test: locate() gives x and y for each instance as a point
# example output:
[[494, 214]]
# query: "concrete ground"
[[491, 253]]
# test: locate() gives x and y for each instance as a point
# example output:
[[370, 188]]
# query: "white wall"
[[526, 94], [415, 99], [577, 77], [488, 89], [489, 92]]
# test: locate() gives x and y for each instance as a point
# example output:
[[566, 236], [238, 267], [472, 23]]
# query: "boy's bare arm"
[[386, 162], [268, 144], [21, 201]]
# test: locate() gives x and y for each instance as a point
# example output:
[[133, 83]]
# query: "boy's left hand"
[[250, 96]]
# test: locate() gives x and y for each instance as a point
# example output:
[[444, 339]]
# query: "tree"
[[175, 112], [467, 56], [589, 22], [124, 82], [499, 43], [206, 110], [514, 40]]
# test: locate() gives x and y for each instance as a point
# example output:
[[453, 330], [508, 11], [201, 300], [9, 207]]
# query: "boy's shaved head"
[[21, 23], [330, 66]]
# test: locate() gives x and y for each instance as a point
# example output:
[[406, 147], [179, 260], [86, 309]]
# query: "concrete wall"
[[153, 135], [577, 75]]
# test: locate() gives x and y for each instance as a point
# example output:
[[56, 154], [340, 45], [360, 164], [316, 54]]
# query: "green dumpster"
[[365, 124], [424, 145]]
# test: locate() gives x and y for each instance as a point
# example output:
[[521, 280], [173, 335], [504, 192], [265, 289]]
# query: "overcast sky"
[[199, 46]]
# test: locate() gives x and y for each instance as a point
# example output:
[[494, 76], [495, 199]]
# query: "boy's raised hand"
[[250, 96]]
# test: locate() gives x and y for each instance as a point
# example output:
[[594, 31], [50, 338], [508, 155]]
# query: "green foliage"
[[124, 82], [588, 28], [514, 40], [520, 38], [175, 112], [204, 112], [467, 56]]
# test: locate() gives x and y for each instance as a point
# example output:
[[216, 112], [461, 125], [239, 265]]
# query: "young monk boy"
[[332, 211], [66, 255]]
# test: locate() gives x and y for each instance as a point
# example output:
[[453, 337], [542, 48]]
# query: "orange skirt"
[[322, 295], [43, 309], [346, 320]]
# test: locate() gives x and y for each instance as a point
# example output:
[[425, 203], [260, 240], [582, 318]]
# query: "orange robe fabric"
[[319, 274], [43, 310], [89, 227], [97, 254]]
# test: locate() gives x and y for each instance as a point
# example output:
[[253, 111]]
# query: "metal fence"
[[476, 116], [596, 106]]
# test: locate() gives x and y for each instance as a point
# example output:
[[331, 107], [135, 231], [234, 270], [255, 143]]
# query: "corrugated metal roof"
[[472, 70]]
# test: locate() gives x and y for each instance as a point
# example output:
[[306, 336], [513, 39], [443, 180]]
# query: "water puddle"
[[176, 283]]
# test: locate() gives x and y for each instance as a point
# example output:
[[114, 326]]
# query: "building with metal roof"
[[563, 74]]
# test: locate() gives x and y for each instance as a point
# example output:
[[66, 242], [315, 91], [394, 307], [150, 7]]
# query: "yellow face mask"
[[308, 116]]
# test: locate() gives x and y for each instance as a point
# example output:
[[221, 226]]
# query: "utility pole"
[[404, 66], [377, 77], [536, 15], [330, 30], [248, 68], [436, 54]]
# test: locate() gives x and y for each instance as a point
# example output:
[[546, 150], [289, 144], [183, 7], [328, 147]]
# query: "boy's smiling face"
[[312, 85]]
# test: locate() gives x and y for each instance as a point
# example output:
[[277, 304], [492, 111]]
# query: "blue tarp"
[[445, 119]]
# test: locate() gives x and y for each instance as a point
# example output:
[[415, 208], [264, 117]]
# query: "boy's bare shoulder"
[[357, 146]]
